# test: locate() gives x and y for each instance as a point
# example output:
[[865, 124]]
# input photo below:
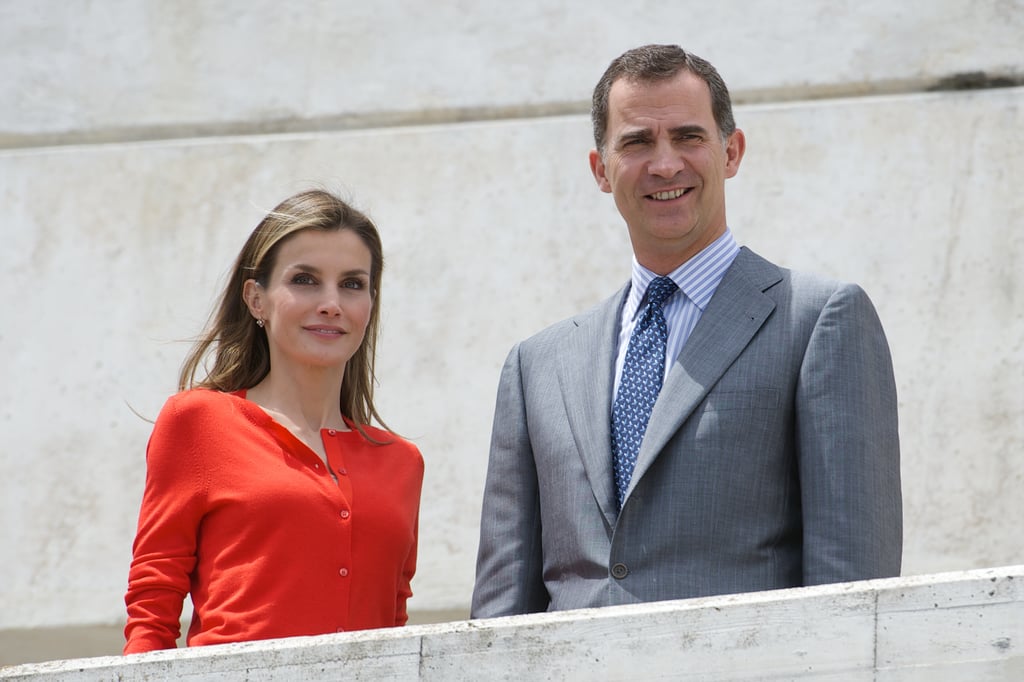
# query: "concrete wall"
[[957, 626], [141, 142]]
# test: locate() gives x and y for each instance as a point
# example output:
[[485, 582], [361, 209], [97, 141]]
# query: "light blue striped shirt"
[[697, 279]]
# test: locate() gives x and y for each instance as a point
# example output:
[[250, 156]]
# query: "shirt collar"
[[697, 278]]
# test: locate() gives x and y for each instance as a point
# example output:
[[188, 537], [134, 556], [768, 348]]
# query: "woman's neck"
[[308, 399]]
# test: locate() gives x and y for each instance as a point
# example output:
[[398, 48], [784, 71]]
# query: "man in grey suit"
[[721, 424]]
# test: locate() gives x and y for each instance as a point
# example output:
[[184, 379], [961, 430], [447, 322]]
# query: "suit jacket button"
[[620, 571]]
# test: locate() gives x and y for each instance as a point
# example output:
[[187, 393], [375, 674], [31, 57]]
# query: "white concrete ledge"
[[951, 626]]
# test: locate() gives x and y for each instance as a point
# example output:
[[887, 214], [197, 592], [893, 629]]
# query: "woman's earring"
[[260, 322]]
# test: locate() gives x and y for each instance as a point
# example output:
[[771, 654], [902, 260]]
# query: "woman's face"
[[317, 299]]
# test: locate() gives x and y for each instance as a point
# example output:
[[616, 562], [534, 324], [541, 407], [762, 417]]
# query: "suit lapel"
[[585, 373], [735, 313]]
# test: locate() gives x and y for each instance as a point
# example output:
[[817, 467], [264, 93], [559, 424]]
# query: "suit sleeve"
[[509, 569], [848, 446]]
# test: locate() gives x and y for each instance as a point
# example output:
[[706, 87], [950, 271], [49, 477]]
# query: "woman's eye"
[[303, 279], [353, 284]]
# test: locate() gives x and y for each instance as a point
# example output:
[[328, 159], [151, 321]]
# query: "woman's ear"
[[252, 294]]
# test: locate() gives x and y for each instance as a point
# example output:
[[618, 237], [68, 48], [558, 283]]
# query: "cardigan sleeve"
[[164, 551], [412, 502], [408, 570]]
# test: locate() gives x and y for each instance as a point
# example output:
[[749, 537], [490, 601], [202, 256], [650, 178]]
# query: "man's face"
[[666, 166]]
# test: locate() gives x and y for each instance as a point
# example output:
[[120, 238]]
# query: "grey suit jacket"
[[771, 458]]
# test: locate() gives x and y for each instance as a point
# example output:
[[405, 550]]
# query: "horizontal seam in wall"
[[431, 117]]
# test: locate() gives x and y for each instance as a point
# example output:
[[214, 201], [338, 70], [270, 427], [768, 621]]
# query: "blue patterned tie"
[[640, 384]]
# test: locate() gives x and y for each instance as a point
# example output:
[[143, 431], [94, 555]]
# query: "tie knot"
[[660, 289]]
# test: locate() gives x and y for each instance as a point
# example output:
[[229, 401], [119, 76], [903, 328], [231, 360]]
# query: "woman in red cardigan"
[[269, 498]]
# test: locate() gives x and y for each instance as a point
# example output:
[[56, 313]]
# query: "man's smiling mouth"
[[669, 194]]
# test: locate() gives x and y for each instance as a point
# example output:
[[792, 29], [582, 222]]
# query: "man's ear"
[[597, 168], [252, 294], [734, 149]]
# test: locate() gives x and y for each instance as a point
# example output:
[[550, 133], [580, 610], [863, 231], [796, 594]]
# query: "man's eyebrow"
[[689, 129], [629, 136], [645, 134]]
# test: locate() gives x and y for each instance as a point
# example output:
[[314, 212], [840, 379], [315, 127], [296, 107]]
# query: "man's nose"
[[666, 161]]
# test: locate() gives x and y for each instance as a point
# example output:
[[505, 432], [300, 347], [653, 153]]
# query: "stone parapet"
[[953, 626]]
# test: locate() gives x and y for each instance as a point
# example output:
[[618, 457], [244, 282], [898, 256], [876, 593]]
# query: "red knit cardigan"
[[242, 515]]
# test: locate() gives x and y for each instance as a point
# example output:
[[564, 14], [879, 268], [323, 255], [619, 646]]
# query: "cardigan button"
[[620, 571], [344, 513], [343, 572], [331, 432]]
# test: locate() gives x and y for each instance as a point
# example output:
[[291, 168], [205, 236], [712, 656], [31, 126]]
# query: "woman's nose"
[[330, 306]]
